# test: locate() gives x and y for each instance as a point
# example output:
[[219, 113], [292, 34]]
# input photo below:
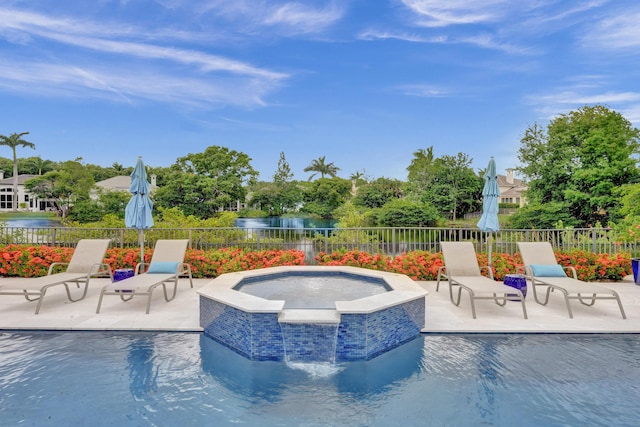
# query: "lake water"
[[278, 222], [272, 222], [32, 222]]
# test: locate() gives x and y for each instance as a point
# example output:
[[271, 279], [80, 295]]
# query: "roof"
[[119, 183], [502, 182], [21, 179]]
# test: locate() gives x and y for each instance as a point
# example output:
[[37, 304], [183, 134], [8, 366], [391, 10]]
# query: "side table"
[[122, 273], [517, 281]]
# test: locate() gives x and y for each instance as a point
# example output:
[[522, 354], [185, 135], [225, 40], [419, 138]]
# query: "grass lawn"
[[4, 216]]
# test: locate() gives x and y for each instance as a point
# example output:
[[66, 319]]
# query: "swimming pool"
[[177, 379]]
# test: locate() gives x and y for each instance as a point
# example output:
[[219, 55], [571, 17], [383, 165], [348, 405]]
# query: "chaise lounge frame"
[[463, 273], [86, 262], [541, 253], [144, 283]]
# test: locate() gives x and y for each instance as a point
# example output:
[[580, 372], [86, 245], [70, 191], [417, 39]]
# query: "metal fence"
[[386, 240]]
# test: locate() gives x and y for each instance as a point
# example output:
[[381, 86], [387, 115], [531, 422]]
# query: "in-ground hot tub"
[[337, 324]]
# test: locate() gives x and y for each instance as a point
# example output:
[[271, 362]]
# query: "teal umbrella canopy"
[[138, 211], [490, 195]]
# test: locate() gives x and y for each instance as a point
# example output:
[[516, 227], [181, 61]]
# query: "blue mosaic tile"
[[259, 336]]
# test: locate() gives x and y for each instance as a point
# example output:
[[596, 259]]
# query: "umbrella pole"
[[141, 242], [489, 243]]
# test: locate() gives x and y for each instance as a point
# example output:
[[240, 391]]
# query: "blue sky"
[[365, 83]]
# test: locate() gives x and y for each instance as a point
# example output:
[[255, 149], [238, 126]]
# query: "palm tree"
[[38, 165], [14, 140], [318, 166]]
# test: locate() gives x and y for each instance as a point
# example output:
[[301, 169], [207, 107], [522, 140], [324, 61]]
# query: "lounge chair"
[[166, 266], [542, 270], [462, 272], [86, 262]]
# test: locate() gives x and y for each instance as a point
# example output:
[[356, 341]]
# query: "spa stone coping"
[[403, 290]]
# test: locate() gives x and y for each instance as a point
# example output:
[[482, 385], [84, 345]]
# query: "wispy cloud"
[[484, 40], [284, 18], [130, 86], [620, 32], [372, 34], [423, 91], [587, 91], [137, 70], [441, 13]]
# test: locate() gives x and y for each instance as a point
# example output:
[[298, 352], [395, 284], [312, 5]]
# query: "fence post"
[[326, 240], [393, 240], [594, 240]]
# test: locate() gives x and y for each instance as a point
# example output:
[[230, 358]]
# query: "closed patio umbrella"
[[138, 210], [490, 195]]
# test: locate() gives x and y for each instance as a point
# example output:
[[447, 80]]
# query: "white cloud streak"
[[620, 33], [139, 70], [441, 13]]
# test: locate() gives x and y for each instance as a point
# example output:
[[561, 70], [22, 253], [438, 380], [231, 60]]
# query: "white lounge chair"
[[542, 270], [463, 273], [86, 262], [166, 266]]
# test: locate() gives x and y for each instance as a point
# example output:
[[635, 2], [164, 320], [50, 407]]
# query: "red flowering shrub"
[[34, 261], [422, 265]]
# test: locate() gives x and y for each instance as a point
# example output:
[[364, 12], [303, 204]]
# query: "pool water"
[[178, 379], [313, 291]]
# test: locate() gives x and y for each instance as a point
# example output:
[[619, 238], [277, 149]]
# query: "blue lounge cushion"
[[163, 267], [548, 270]]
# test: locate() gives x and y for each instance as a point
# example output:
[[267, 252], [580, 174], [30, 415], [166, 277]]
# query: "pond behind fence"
[[385, 240]]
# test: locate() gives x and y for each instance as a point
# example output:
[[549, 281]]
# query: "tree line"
[[581, 170]]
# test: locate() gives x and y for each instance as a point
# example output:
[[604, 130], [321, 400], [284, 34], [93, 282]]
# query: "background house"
[[26, 201], [120, 183], [511, 189]]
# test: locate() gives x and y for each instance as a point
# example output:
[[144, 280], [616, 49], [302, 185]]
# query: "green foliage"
[[541, 216], [580, 161], [202, 184], [376, 193], [347, 230], [448, 182], [407, 213], [68, 185], [324, 195], [319, 166]]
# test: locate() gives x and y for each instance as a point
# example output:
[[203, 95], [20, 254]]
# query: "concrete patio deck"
[[182, 314]]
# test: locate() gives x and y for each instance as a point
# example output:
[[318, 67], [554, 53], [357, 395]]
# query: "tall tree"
[[283, 172], [455, 188], [324, 195], [580, 161], [421, 170], [202, 184], [280, 196], [36, 165], [66, 186], [15, 140], [377, 193], [320, 166]]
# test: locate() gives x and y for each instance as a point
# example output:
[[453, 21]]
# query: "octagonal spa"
[[311, 313]]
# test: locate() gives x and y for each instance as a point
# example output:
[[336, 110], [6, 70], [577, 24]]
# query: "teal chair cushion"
[[163, 267], [553, 270]]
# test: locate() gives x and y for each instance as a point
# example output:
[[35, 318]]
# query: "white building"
[[511, 189], [26, 201]]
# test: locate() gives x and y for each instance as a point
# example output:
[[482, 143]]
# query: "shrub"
[[422, 265], [34, 261]]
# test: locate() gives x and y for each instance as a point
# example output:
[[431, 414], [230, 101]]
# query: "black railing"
[[387, 240]]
